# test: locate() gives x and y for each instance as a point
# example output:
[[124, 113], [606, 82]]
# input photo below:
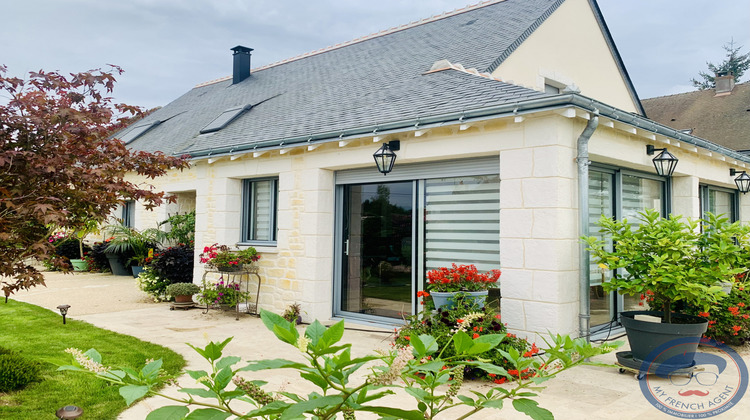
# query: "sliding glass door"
[[391, 233], [622, 195]]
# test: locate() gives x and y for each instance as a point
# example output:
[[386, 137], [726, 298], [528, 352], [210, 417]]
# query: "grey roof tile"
[[376, 81]]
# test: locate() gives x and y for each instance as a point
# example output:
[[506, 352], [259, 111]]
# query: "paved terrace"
[[115, 303]]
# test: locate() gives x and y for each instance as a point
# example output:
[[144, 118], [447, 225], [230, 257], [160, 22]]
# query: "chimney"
[[724, 83], [241, 63]]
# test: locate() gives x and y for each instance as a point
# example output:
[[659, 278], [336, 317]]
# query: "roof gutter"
[[492, 112]]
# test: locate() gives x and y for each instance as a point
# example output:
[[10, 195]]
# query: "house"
[[517, 127], [721, 115]]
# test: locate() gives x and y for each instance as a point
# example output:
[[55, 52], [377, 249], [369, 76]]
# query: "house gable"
[[571, 46]]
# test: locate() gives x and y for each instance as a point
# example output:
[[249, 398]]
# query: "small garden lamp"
[[664, 162], [742, 181], [385, 158], [69, 412], [64, 311]]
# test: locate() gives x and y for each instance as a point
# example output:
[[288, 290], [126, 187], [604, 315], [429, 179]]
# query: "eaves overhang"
[[504, 110]]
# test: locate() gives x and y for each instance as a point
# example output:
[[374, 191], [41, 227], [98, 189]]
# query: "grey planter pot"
[[118, 269], [645, 337], [444, 300]]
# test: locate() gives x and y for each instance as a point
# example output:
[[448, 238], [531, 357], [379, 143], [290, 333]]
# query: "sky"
[[168, 46]]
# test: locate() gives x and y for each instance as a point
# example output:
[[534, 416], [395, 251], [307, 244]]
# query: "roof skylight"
[[138, 131], [224, 119]]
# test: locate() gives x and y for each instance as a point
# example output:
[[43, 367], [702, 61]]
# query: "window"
[[128, 213], [225, 118], [719, 201], [138, 131], [620, 194], [259, 211]]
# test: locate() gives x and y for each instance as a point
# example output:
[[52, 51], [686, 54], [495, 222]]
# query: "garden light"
[[69, 411], [64, 311]]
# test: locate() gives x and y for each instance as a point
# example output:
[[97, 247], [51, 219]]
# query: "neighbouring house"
[[518, 127], [721, 115]]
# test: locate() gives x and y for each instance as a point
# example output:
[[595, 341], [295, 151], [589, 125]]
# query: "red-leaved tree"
[[59, 168]]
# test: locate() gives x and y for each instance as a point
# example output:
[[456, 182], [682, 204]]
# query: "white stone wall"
[[538, 206]]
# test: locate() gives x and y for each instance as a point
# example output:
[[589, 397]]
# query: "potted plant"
[[293, 313], [182, 292], [222, 294], [90, 226], [444, 283], [673, 261], [139, 244], [222, 258]]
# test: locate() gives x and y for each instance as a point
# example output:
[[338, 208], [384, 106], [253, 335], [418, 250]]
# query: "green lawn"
[[38, 333]]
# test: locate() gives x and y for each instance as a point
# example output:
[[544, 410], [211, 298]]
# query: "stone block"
[[550, 254], [511, 194], [516, 164], [512, 313], [511, 253], [555, 286], [555, 161], [557, 223], [516, 284], [516, 223], [548, 192]]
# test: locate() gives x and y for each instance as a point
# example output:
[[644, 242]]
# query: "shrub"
[[181, 228], [97, 258], [182, 289], [222, 293], [16, 371], [729, 319], [174, 264], [468, 317], [152, 284]]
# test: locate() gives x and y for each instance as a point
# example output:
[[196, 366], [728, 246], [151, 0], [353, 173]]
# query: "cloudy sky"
[[168, 46]]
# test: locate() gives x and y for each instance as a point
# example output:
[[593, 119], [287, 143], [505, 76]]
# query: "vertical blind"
[[462, 222], [260, 210]]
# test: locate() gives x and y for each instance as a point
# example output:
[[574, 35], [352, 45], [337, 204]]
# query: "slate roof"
[[723, 119], [370, 83]]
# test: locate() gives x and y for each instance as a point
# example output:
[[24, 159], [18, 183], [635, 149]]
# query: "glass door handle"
[[346, 247]]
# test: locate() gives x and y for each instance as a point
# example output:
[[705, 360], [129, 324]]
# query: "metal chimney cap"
[[240, 49]]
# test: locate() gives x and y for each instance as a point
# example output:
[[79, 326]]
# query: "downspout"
[[584, 305]]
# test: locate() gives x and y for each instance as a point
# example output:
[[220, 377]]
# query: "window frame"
[[127, 214], [248, 197], [704, 189]]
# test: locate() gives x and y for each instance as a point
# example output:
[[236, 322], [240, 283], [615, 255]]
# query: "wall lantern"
[[63, 311], [385, 158], [69, 412], [664, 162], [742, 181]]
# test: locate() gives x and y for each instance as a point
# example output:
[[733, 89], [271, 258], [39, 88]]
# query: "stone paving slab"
[[115, 303]]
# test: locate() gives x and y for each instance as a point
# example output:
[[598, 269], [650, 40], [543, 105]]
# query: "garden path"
[[115, 303]]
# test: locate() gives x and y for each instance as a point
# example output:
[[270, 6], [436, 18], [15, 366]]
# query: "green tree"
[[735, 64], [59, 166]]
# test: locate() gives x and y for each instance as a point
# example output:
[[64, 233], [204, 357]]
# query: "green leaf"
[[395, 412], [227, 361], [316, 379], [333, 334], [197, 374], [151, 370], [295, 410], [223, 377], [199, 392], [531, 408], [462, 342], [286, 335], [418, 393], [69, 367], [207, 414], [170, 412], [493, 404], [94, 355], [132, 393], [315, 332], [271, 364], [418, 347], [430, 343], [275, 407]]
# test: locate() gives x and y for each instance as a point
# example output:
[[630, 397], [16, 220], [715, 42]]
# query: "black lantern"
[[664, 162], [385, 158], [69, 412], [63, 311], [742, 181]]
